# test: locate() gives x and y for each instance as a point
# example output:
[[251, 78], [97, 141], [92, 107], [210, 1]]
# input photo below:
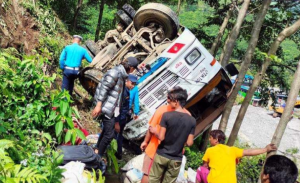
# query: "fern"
[[14, 173], [4, 143]]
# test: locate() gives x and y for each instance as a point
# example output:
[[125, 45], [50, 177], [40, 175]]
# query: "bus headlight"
[[192, 57]]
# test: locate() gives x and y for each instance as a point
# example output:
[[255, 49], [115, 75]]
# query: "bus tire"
[[158, 14], [124, 18], [92, 47], [129, 10]]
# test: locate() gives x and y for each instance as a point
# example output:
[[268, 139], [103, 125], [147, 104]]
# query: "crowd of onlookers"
[[171, 128]]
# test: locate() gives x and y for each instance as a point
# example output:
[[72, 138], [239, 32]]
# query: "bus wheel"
[[124, 18], [128, 10], [160, 15]]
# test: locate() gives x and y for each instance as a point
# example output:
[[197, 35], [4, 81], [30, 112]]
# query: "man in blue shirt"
[[124, 116], [134, 100], [70, 61]]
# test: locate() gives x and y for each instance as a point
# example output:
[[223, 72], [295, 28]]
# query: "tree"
[[216, 43], [79, 4], [286, 115], [99, 20], [245, 64], [230, 42], [287, 32], [178, 7]]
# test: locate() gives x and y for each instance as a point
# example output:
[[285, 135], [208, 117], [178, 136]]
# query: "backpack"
[[84, 154]]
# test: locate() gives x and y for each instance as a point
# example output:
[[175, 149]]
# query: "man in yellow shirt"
[[221, 159]]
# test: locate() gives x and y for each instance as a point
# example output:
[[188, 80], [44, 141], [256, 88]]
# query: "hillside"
[[18, 28]]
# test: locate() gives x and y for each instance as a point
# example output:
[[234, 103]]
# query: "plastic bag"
[[181, 178]]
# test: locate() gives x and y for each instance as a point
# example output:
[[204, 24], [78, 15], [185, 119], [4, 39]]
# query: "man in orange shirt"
[[151, 142]]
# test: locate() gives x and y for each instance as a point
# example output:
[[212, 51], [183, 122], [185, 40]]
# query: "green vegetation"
[[33, 119], [248, 168]]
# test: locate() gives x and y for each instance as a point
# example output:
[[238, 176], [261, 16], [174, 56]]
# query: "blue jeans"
[[68, 80]]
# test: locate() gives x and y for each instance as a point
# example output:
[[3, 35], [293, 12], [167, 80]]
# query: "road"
[[259, 126]]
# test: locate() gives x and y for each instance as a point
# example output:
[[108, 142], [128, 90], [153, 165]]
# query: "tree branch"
[[286, 66], [227, 7]]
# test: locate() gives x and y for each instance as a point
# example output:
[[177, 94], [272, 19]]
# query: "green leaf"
[[17, 169], [54, 76], [114, 145], [39, 143], [2, 129], [58, 128], [69, 113], [60, 159], [35, 132], [21, 135], [63, 107], [47, 136], [101, 177], [70, 122], [76, 112], [68, 136], [52, 115], [73, 137], [115, 162], [80, 134], [55, 154], [94, 176]]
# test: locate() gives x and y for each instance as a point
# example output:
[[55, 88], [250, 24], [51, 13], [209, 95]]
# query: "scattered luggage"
[[84, 154]]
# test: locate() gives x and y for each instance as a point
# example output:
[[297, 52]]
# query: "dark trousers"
[[106, 135], [119, 136], [68, 80]]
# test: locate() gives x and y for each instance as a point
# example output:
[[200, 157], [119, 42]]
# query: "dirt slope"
[[17, 28]]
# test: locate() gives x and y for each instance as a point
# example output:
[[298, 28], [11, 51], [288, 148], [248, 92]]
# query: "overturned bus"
[[170, 55]]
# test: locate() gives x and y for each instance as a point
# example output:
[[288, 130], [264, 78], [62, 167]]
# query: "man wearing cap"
[[124, 115], [70, 61], [134, 96], [108, 98]]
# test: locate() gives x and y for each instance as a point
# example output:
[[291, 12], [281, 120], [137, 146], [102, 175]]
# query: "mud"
[[17, 28]]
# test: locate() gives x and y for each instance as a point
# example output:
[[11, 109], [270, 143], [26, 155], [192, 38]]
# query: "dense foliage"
[[29, 122], [34, 118]]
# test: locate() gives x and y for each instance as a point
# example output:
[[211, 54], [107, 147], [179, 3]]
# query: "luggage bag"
[[84, 154]]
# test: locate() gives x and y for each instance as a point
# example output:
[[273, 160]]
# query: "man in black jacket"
[[108, 97], [124, 115]]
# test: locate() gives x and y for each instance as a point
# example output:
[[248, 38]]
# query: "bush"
[[194, 158], [28, 121], [248, 169]]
